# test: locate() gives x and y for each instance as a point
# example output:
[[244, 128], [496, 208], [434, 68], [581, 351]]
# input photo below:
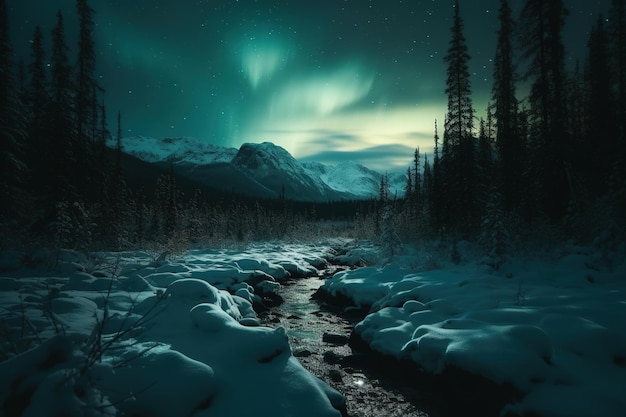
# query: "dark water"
[[369, 390]]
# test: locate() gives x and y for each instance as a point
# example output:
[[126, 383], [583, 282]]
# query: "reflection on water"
[[306, 321]]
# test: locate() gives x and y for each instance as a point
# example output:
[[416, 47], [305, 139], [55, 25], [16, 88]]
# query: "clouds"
[[391, 157]]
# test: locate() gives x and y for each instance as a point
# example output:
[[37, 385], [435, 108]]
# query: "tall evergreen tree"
[[62, 140], [12, 134], [417, 183], [86, 85], [436, 202], [38, 91], [617, 36], [38, 101], [541, 24], [458, 153], [508, 141], [460, 120], [599, 108]]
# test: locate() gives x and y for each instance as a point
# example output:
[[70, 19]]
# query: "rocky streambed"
[[320, 338], [320, 327]]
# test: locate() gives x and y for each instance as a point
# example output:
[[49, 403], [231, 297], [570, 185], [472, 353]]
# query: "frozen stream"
[[370, 392]]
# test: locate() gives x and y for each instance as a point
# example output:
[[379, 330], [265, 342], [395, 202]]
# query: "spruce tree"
[[617, 36], [436, 193], [458, 153], [508, 142], [38, 91], [62, 145], [541, 25], [12, 122], [86, 85], [599, 108], [38, 101]]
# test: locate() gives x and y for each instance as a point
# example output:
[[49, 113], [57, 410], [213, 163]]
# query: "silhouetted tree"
[[541, 25], [86, 85], [458, 153], [38, 103], [61, 147], [12, 129], [617, 36], [600, 107], [508, 141]]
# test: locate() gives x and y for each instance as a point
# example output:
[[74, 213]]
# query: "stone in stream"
[[335, 375], [302, 353], [331, 357], [335, 338]]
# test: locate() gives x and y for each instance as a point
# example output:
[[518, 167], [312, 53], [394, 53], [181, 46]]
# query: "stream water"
[[319, 339]]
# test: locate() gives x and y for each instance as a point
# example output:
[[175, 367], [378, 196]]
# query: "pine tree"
[[617, 35], [599, 108], [38, 91], [508, 142], [460, 120], [12, 121], [417, 183], [61, 147], [458, 153], [542, 23], [436, 196], [38, 102], [86, 85]]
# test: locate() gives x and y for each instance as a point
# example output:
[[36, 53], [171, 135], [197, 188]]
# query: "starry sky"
[[329, 80]]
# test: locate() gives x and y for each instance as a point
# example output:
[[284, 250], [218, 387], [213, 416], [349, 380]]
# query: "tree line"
[[60, 184], [555, 157]]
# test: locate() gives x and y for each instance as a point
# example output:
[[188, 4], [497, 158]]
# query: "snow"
[[550, 325], [122, 334], [264, 161], [156, 339], [185, 149]]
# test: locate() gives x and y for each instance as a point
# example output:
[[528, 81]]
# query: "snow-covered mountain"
[[276, 169], [185, 149], [355, 179], [262, 170]]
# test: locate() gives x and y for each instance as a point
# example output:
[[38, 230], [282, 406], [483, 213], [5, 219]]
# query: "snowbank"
[[166, 340], [552, 327]]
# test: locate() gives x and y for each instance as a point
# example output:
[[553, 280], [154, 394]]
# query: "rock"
[[336, 339], [335, 375], [331, 357], [303, 353]]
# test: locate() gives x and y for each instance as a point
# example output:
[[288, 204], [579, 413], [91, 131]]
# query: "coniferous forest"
[[548, 160]]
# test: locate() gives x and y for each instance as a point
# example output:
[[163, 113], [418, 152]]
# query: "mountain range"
[[262, 170]]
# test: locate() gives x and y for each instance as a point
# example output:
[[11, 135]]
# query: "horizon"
[[326, 81]]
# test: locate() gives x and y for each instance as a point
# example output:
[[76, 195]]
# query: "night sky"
[[329, 80]]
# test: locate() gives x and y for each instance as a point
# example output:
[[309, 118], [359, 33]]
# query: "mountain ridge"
[[263, 170]]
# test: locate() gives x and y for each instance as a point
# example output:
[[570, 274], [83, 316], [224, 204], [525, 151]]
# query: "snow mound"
[[551, 327], [152, 340]]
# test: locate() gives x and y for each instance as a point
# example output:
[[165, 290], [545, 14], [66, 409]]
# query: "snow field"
[[553, 328], [133, 337]]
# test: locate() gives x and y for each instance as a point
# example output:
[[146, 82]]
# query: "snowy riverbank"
[[550, 326], [131, 336], [126, 333]]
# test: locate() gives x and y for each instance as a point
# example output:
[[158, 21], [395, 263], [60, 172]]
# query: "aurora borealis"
[[328, 80]]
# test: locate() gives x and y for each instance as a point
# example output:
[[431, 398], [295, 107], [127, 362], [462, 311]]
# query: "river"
[[319, 336]]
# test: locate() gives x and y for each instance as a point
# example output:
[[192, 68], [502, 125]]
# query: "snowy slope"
[[260, 170], [355, 179], [275, 168], [185, 149]]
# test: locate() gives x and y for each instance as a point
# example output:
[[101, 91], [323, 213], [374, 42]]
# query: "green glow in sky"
[[328, 80]]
